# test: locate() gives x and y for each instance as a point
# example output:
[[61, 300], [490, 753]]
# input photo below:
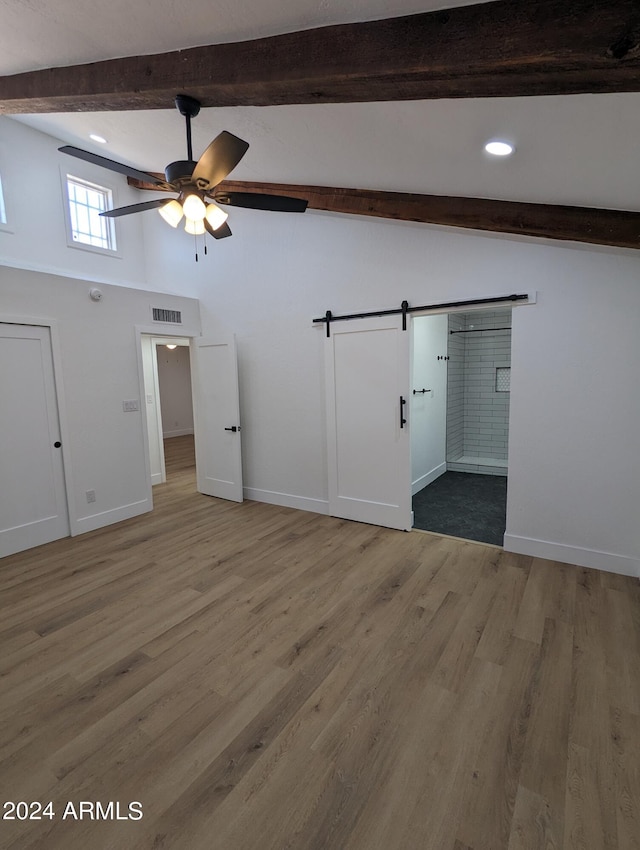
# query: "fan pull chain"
[[204, 243]]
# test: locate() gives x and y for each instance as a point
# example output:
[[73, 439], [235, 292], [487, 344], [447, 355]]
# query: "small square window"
[[86, 202], [503, 379]]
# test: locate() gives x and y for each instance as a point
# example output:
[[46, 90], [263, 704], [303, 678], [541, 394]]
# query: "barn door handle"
[[233, 428], [402, 419]]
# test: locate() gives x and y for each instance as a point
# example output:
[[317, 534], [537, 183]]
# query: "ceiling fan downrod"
[[189, 107], [180, 171]]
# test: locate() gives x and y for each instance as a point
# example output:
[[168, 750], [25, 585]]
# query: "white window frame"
[[3, 209], [79, 175], [5, 202]]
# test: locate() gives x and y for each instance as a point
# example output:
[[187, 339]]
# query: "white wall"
[[98, 366], [455, 389], [428, 421], [574, 486], [35, 236], [174, 379], [574, 452]]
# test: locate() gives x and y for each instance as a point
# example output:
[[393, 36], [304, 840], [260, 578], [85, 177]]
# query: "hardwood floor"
[[260, 678]]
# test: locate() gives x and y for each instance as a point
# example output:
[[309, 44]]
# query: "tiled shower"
[[478, 389]]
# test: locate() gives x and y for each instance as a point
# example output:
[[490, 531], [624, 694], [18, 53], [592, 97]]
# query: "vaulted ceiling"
[[417, 111]]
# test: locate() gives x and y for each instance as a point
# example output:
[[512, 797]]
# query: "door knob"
[[233, 428], [57, 444]]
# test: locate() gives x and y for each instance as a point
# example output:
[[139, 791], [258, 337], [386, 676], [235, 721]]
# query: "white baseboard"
[[428, 478], [606, 561], [91, 523], [287, 500], [179, 433], [156, 478]]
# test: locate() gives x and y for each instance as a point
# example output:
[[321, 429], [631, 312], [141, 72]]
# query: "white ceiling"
[[48, 33], [575, 150]]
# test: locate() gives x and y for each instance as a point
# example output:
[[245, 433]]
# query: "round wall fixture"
[[95, 294]]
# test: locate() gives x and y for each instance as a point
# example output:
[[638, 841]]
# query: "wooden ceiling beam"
[[503, 48], [617, 228]]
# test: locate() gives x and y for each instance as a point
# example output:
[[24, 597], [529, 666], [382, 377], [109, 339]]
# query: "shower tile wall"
[[478, 414]]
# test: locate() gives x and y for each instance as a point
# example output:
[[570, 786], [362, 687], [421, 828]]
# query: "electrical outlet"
[[91, 495]]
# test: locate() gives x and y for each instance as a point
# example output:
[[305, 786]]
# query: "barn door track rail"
[[405, 309]]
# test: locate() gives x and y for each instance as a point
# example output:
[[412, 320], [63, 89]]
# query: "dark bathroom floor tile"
[[463, 504]]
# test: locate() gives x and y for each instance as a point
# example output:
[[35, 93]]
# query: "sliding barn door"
[[369, 451], [217, 418], [33, 499]]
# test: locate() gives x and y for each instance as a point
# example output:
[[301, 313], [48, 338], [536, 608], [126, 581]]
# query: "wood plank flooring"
[[259, 678]]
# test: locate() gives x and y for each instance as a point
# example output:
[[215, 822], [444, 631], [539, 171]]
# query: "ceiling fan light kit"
[[195, 211], [195, 182]]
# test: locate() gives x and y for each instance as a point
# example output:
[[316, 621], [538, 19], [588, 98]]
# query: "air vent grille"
[[160, 314]]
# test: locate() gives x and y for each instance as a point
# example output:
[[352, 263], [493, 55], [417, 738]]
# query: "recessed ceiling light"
[[499, 148], [97, 138]]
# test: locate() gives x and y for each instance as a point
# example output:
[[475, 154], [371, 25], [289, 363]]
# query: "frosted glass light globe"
[[195, 228], [171, 213], [215, 216], [194, 208]]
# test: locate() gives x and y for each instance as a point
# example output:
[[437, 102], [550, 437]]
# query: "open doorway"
[[169, 406], [212, 415], [460, 407]]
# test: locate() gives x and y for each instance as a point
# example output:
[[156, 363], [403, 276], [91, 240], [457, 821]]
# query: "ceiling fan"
[[195, 182]]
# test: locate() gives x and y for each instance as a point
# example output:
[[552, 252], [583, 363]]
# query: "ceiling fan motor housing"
[[180, 171]]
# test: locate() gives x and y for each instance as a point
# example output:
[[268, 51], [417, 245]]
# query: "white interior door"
[[217, 418], [33, 500], [153, 411], [369, 451]]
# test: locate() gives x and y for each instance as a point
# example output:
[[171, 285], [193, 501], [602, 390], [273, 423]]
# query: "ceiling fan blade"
[[135, 208], [255, 201], [221, 157], [112, 165], [219, 232]]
